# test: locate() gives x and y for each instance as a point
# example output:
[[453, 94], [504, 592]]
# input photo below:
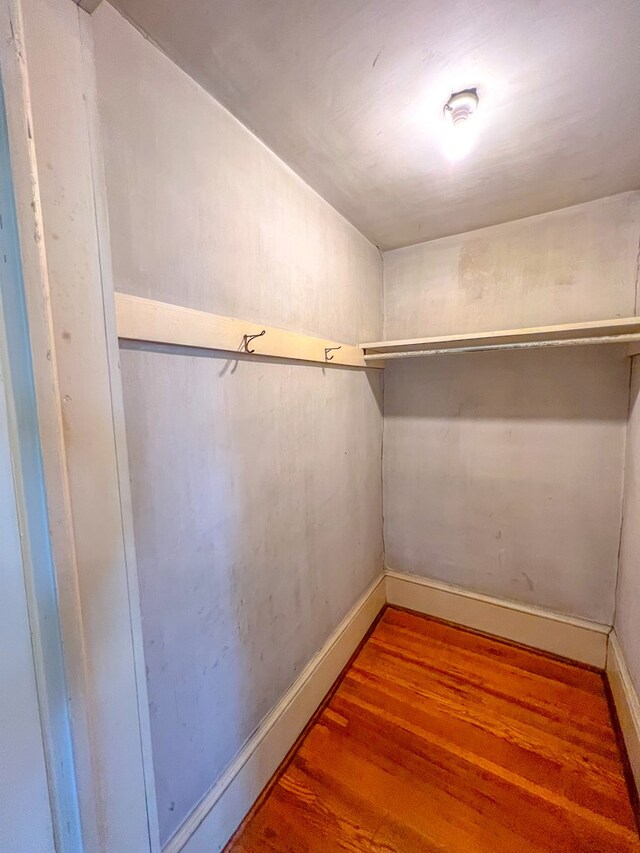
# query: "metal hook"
[[248, 338], [327, 350]]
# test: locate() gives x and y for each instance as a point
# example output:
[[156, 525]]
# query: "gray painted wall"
[[256, 485], [627, 620], [576, 264], [204, 215], [256, 494], [503, 472]]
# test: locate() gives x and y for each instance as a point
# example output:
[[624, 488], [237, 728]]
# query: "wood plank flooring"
[[438, 739]]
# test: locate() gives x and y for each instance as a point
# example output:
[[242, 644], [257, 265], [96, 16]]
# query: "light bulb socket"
[[461, 106]]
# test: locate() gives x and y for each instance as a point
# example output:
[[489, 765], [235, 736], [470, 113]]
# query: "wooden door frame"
[[54, 142]]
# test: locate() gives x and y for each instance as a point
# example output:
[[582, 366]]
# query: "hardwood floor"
[[438, 739]]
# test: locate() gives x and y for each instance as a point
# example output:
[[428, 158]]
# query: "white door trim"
[[46, 67]]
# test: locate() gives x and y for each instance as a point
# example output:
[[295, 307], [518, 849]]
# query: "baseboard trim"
[[627, 703], [545, 630], [220, 812], [214, 820]]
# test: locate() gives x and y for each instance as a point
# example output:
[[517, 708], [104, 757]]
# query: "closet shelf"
[[150, 321], [618, 331]]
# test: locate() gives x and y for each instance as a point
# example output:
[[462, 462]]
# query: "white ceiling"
[[349, 93]]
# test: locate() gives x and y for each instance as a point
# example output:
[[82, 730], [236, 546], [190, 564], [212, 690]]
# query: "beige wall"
[[503, 474], [507, 473], [627, 619], [204, 215], [256, 485], [503, 471], [576, 264]]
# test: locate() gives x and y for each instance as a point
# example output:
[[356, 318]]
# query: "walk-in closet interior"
[[342, 305]]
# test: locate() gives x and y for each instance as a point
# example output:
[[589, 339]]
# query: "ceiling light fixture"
[[461, 130]]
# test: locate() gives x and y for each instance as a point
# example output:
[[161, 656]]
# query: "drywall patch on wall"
[[576, 264], [503, 474], [627, 620]]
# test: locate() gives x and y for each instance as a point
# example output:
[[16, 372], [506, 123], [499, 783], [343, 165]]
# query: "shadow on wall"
[[634, 391], [229, 364], [589, 382]]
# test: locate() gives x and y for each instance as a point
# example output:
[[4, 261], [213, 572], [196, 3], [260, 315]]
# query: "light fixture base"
[[461, 105]]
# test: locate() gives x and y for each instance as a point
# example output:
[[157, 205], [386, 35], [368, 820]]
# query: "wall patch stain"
[[564, 281], [529, 581]]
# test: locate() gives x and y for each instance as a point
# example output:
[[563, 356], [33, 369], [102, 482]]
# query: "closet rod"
[[563, 342]]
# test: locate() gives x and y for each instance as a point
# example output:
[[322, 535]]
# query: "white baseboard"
[[627, 703], [576, 639], [214, 820], [219, 813]]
